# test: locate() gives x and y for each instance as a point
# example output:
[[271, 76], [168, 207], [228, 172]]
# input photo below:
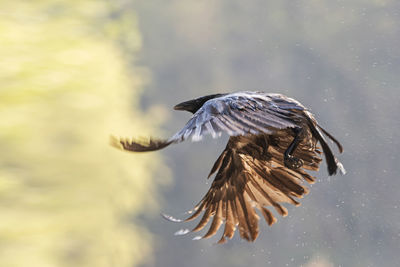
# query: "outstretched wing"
[[142, 145], [251, 175], [236, 114]]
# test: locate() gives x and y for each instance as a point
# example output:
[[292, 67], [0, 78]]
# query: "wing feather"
[[243, 225], [240, 114], [247, 181], [217, 221], [236, 114], [204, 220]]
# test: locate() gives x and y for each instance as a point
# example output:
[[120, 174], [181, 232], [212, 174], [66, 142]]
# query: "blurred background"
[[74, 72]]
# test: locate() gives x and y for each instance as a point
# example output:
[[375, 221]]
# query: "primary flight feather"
[[273, 140]]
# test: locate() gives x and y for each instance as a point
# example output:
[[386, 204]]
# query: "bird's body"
[[273, 140]]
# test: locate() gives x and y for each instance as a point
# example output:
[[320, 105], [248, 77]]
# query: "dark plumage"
[[273, 140]]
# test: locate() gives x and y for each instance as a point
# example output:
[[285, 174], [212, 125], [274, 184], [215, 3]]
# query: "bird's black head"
[[194, 105]]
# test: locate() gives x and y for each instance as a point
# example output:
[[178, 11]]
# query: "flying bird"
[[273, 141]]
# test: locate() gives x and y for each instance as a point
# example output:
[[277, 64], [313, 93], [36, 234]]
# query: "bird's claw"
[[293, 162]]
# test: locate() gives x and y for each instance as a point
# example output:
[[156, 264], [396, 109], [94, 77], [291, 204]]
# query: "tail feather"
[[332, 162], [339, 145]]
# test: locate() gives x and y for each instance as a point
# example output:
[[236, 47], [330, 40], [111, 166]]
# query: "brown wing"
[[251, 175], [142, 145]]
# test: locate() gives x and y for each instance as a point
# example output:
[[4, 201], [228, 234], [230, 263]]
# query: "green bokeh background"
[[66, 197]]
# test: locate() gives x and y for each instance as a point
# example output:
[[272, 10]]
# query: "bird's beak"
[[178, 107], [183, 106]]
